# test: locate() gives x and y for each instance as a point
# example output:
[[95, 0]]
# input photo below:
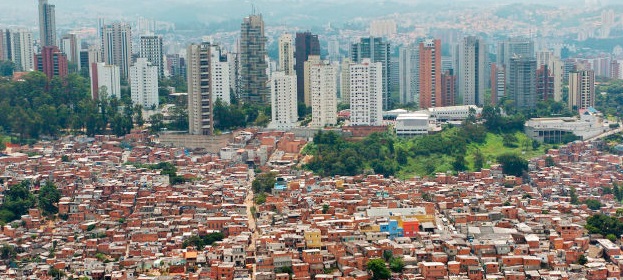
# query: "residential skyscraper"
[[334, 50], [105, 76], [376, 50], [253, 77], [512, 47], [498, 83], [144, 83], [323, 87], [52, 62], [522, 82], [345, 81], [366, 93], [117, 46], [448, 88], [472, 74], [283, 101], [47, 24], [430, 74], [220, 73], [176, 65], [581, 89], [306, 44], [307, 95], [150, 47], [199, 77], [70, 44], [409, 76], [544, 83], [208, 76], [20, 49], [3, 45], [286, 54]]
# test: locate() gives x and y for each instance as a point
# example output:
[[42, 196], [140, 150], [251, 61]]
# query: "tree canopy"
[[48, 198], [35, 106], [17, 200], [379, 269], [513, 164], [200, 241]]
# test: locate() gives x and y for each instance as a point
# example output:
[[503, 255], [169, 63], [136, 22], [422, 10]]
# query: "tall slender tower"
[[253, 65], [47, 24], [366, 79], [307, 44], [430, 74], [150, 47], [70, 45], [20, 49], [377, 51], [283, 100], [409, 74], [144, 83], [581, 89], [472, 75], [199, 77], [117, 46], [323, 91], [286, 54], [522, 82]]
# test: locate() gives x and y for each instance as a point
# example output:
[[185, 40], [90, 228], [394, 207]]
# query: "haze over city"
[[311, 140]]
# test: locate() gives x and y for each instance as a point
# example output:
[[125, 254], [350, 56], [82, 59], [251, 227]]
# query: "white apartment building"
[[144, 84], [106, 77], [472, 75], [286, 54], [20, 49], [366, 93], [220, 74], [283, 101], [323, 92], [150, 47]]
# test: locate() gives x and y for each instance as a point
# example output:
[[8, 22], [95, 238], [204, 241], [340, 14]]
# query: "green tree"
[[388, 255], [582, 260], [7, 252], [479, 160], [48, 198], [264, 182], [549, 161], [200, 241], [593, 204], [378, 269], [284, 269], [56, 273], [260, 198], [396, 265], [17, 200], [574, 196], [611, 237], [512, 164], [325, 208]]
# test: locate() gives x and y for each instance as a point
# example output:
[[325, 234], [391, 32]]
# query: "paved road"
[[606, 134]]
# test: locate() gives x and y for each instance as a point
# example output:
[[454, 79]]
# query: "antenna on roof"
[[252, 8]]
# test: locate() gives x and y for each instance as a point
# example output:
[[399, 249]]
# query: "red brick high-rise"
[[430, 74], [448, 88], [52, 62], [544, 83]]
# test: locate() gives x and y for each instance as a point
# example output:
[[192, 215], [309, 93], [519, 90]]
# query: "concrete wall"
[[212, 144]]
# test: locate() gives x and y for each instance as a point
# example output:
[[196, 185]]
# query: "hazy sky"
[[67, 11]]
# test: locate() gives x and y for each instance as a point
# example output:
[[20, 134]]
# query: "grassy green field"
[[490, 149]]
